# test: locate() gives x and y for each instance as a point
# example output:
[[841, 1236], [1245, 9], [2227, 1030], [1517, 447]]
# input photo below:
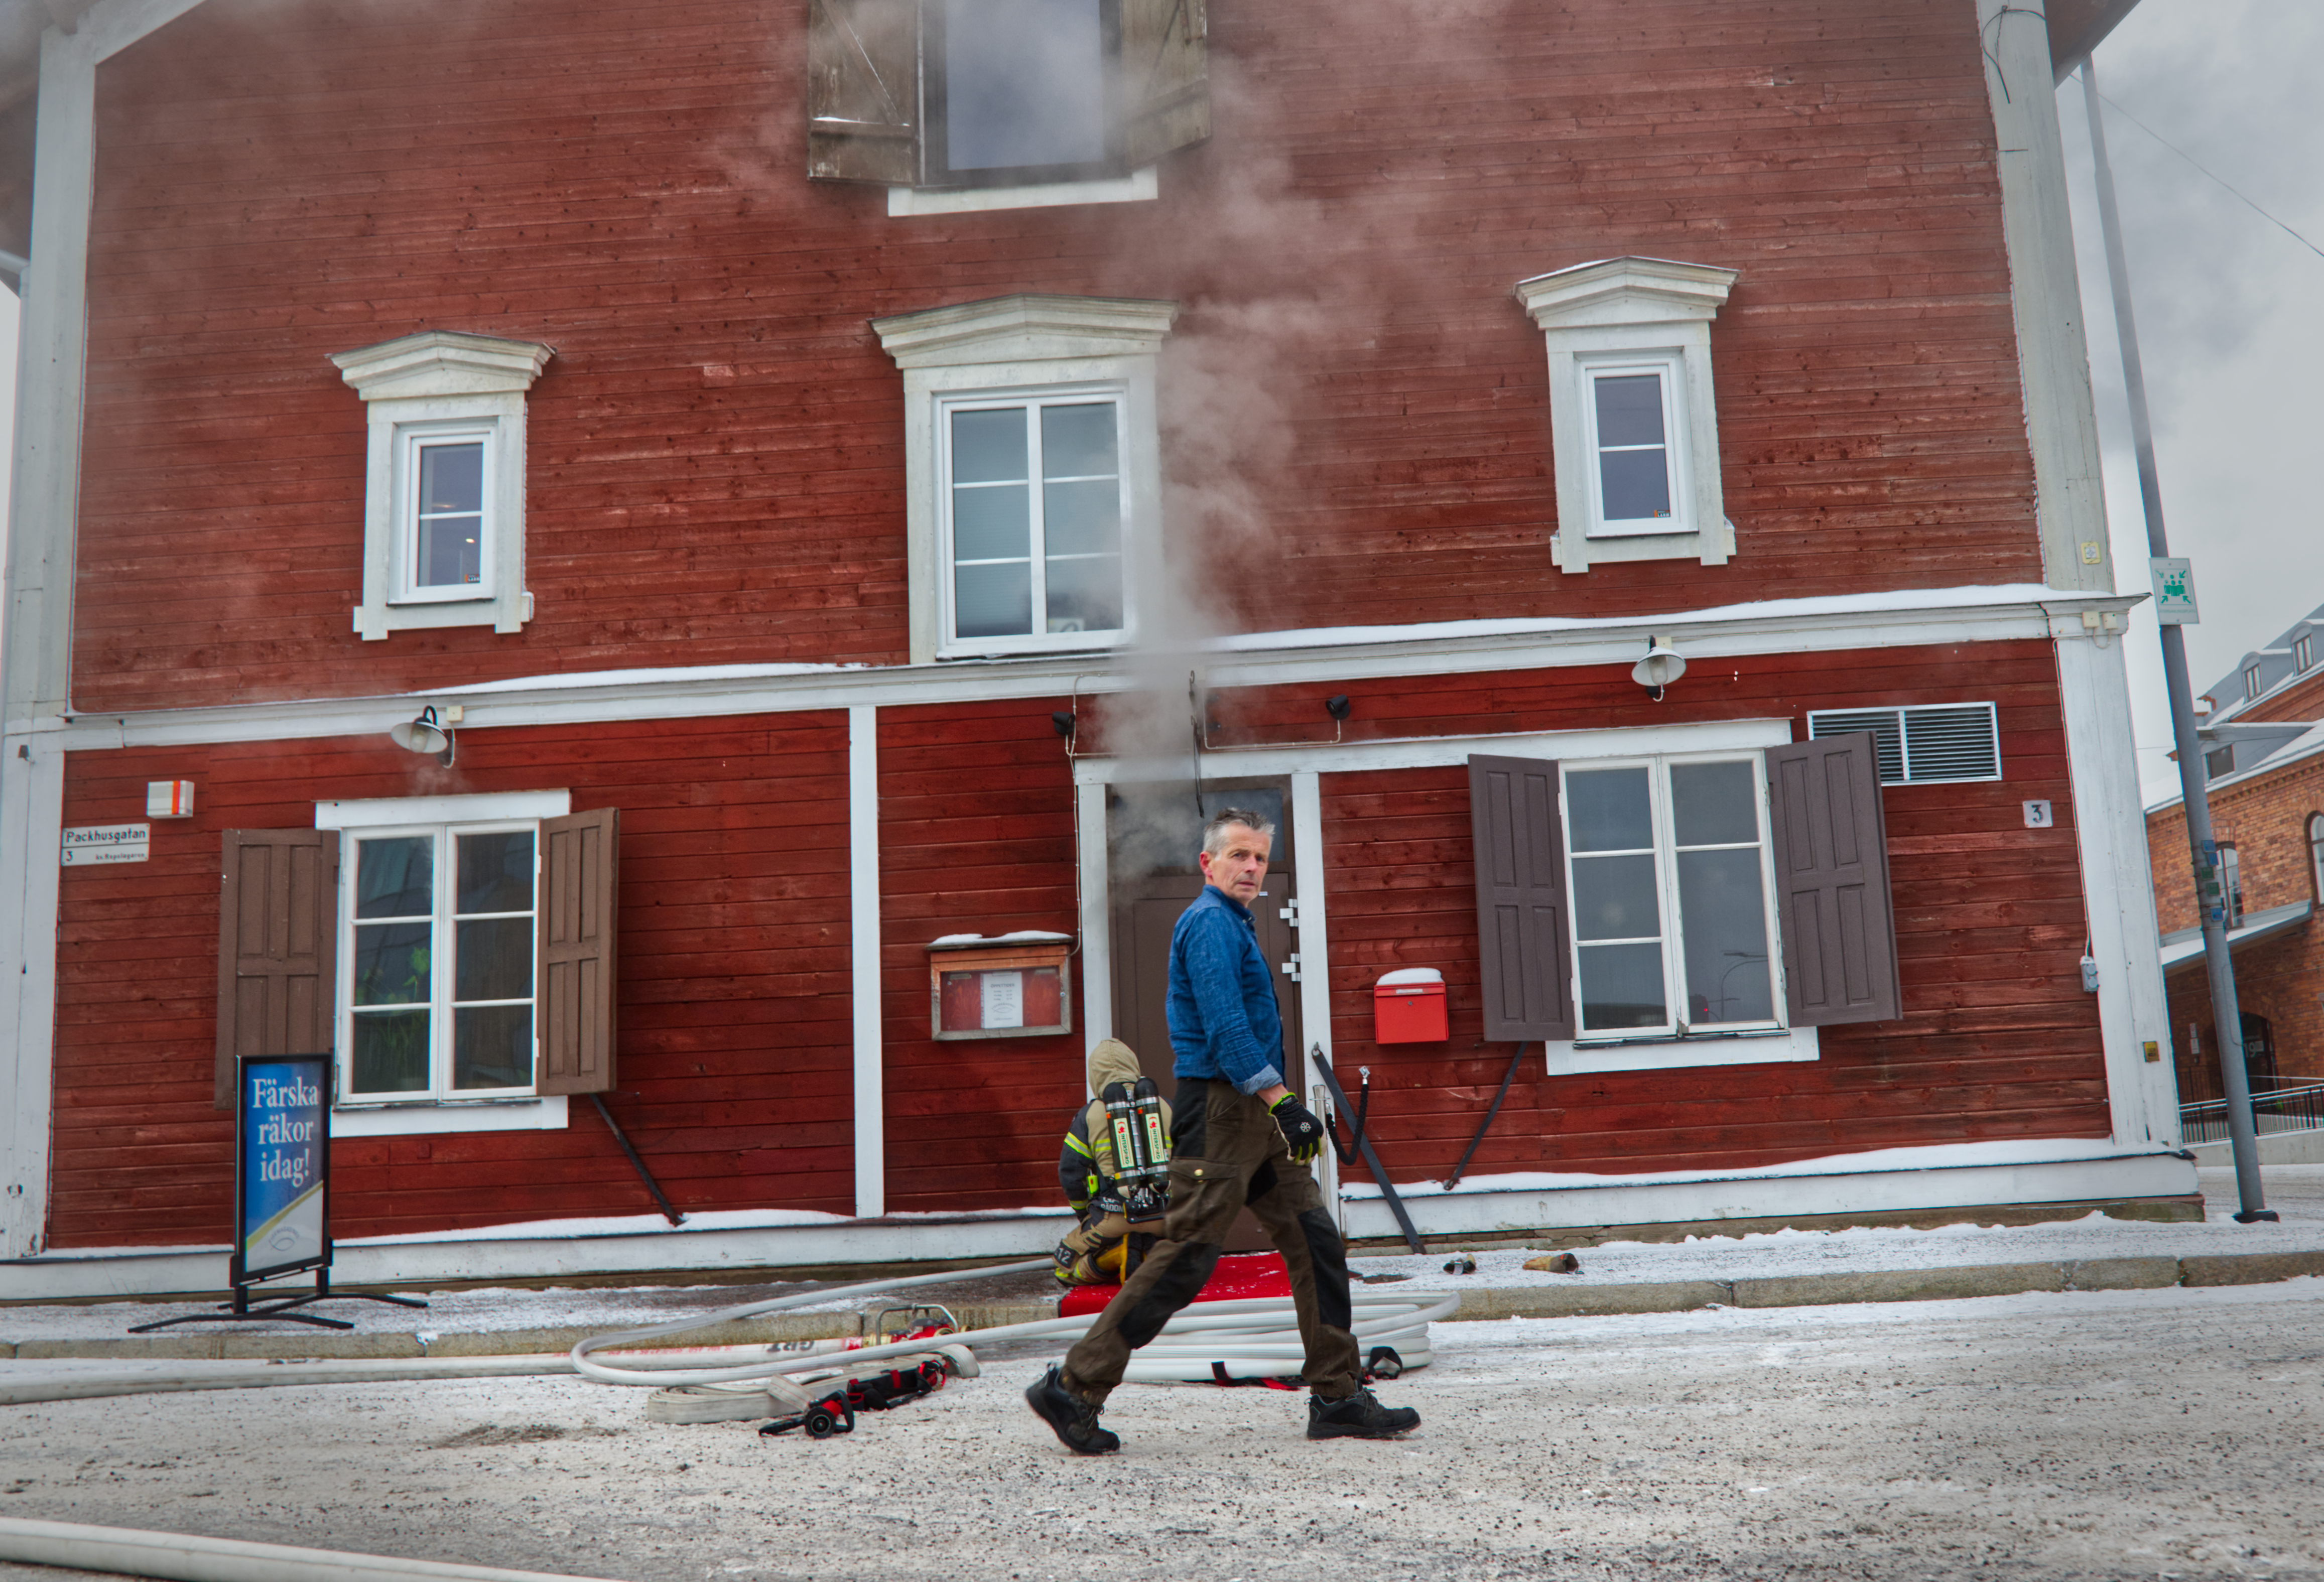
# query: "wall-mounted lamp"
[[1062, 722], [1660, 667], [424, 734], [1338, 706]]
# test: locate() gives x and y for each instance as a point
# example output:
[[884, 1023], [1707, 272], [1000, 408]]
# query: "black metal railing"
[[2274, 1109]]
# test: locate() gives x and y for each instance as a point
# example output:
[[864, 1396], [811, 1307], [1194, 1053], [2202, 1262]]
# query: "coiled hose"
[[1256, 1336], [1252, 1336]]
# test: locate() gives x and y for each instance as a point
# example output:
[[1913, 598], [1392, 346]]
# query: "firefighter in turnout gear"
[[1114, 1168]]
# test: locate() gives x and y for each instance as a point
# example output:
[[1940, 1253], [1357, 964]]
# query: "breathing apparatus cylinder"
[[1141, 1152]]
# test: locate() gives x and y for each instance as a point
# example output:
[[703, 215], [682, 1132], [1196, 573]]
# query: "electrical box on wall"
[[1013, 986], [169, 799], [1408, 1006]]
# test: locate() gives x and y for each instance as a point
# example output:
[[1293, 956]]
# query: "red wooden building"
[[851, 480]]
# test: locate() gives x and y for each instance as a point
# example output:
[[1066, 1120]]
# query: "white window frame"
[[442, 1109], [1039, 640], [417, 389], [1670, 369], [410, 439], [1023, 347], [1676, 1030], [1647, 313], [2303, 653]]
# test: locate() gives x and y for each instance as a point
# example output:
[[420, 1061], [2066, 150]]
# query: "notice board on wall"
[[282, 1166]]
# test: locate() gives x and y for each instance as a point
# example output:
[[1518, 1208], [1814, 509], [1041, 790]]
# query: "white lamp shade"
[[1660, 667], [420, 735]]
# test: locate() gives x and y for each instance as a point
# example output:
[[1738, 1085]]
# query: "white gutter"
[[1909, 619]]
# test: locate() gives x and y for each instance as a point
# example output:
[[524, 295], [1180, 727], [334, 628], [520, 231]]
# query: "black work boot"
[[1360, 1417], [1074, 1419]]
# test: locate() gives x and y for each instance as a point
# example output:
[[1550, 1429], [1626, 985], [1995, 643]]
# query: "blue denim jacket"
[[1223, 1023]]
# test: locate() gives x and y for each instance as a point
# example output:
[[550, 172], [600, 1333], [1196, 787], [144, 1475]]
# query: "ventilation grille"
[[1921, 746]]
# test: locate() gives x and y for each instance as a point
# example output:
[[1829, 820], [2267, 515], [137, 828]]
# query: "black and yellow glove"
[[1303, 1134]]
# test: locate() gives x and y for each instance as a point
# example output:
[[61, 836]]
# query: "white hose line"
[[132, 1552], [93, 1384]]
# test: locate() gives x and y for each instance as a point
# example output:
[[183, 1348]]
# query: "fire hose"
[[1252, 1337], [1249, 1336]]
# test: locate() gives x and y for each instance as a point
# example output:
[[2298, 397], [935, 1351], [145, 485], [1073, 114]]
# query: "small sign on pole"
[[2175, 592]]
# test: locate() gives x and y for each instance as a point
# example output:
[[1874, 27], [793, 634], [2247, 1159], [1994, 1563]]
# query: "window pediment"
[[1026, 328], [443, 362]]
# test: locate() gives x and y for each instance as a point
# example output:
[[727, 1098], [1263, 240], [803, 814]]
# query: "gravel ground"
[[2112, 1434]]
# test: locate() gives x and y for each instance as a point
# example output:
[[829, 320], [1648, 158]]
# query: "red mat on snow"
[[1239, 1274]]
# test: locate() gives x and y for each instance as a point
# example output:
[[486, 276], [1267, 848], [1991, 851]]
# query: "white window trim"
[[1038, 640], [440, 381], [411, 439], [1140, 186], [1028, 345], [1671, 369], [1653, 311], [430, 1115], [1665, 854]]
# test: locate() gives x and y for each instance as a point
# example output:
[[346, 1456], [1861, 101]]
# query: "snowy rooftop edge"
[[1828, 604]]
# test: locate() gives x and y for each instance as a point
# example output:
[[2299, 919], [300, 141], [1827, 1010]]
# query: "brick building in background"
[[854, 526], [2267, 814]]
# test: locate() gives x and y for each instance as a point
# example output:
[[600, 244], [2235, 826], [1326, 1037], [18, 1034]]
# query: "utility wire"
[[2191, 159]]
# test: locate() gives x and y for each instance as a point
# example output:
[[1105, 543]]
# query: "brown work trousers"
[[1225, 1151]]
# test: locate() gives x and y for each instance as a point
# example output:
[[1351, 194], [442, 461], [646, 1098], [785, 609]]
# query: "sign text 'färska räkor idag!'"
[[285, 1130]]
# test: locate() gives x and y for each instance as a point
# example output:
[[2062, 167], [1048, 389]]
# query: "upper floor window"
[[1032, 518], [2315, 854], [1634, 429], [1033, 470], [1003, 94], [2304, 652], [2252, 686], [444, 490]]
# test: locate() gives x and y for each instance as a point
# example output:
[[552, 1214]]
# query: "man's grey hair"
[[1214, 834]]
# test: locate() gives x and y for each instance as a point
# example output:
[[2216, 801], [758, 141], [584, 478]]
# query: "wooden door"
[[1146, 909]]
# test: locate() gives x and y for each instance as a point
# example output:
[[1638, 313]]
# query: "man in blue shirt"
[[1238, 1137]]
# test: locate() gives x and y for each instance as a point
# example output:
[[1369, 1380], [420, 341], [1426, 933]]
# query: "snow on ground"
[[2096, 1435]]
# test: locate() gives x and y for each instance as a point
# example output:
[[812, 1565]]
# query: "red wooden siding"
[[1355, 409], [976, 836], [734, 986], [1997, 1039], [736, 1036]]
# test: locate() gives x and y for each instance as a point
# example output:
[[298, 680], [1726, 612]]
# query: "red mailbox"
[[1408, 1006]]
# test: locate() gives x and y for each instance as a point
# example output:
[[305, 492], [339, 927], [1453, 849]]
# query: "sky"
[[2230, 315], [2231, 320]]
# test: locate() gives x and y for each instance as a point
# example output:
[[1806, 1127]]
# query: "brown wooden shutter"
[[278, 955], [579, 871], [864, 90], [1521, 911], [1831, 881], [1166, 77]]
